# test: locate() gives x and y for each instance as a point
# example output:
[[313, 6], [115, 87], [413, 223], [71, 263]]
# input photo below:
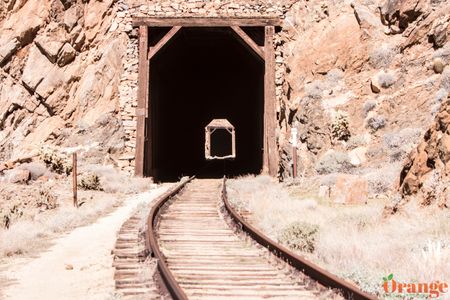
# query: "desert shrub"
[[333, 162], [386, 79], [116, 181], [400, 143], [56, 161], [366, 280], [333, 77], [368, 106], [376, 122], [10, 213], [46, 199], [382, 180], [299, 236], [340, 127], [328, 179], [395, 140], [90, 181], [314, 89], [356, 141], [381, 57]]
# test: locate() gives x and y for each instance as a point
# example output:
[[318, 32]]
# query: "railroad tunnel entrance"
[[204, 73]]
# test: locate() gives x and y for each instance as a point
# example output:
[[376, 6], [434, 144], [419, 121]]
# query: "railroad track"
[[205, 250]]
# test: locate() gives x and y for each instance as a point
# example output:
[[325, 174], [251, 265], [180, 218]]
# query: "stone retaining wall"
[[124, 13]]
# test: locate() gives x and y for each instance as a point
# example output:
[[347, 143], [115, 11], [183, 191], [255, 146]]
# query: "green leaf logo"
[[390, 276], [384, 279]]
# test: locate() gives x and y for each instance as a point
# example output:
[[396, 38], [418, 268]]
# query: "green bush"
[[340, 127], [90, 181], [56, 161], [333, 162], [46, 199], [299, 236]]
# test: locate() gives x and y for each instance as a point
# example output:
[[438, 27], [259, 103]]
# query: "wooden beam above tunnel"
[[204, 22]]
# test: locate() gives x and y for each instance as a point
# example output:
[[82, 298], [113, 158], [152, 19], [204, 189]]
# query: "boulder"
[[26, 22], [41, 134], [14, 94], [438, 34], [358, 156], [36, 68], [72, 17], [17, 176], [40, 75], [375, 85], [330, 47], [77, 37], [432, 156], [95, 12], [350, 189], [67, 3], [8, 49], [66, 55], [401, 13], [438, 65], [96, 90], [366, 18], [49, 46], [54, 79], [429, 30]]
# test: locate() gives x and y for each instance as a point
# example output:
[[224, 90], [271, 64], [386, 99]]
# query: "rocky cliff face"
[[360, 80], [364, 81], [60, 69], [426, 174]]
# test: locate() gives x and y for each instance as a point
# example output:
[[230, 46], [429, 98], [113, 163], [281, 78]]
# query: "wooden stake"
[[74, 179], [270, 161], [294, 161], [142, 101]]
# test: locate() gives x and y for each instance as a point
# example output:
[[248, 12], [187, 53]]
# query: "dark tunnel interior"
[[221, 144], [200, 75]]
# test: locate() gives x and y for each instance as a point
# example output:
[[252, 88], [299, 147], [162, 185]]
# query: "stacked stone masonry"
[[125, 11]]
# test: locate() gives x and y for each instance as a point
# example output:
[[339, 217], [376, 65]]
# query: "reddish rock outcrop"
[[350, 189], [427, 170]]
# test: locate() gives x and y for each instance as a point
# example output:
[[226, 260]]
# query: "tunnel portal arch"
[[155, 37]]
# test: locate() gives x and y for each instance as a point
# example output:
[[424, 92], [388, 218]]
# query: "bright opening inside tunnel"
[[200, 75]]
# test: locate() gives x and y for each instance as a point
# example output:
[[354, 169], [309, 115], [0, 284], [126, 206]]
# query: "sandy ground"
[[87, 249]]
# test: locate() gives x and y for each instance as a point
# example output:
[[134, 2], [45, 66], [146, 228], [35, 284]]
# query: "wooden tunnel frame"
[[266, 53], [219, 124]]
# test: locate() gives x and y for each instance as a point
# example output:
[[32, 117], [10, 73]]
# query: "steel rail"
[[322, 276], [170, 282]]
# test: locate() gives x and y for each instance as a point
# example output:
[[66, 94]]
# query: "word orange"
[[432, 289]]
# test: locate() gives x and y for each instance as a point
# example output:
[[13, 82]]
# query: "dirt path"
[[87, 249]]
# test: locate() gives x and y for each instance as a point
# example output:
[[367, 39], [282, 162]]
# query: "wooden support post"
[[142, 99], [294, 161], [248, 41], [233, 142], [74, 180], [270, 161], [207, 143], [163, 41]]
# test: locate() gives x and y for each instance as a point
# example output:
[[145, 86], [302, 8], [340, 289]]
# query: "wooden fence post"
[[74, 179]]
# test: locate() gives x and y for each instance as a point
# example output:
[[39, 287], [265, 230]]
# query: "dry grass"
[[354, 242], [25, 236], [32, 230], [114, 181]]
